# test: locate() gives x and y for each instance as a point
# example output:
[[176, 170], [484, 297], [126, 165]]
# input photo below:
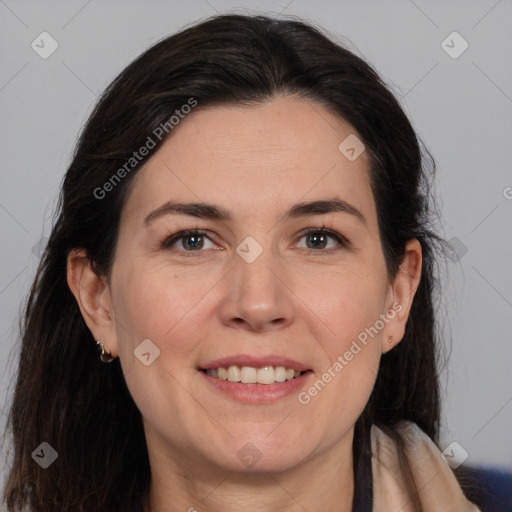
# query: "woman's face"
[[253, 289]]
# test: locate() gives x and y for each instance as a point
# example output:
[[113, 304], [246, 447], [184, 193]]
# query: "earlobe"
[[92, 294], [402, 291]]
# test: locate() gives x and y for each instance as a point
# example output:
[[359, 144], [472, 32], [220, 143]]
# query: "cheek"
[[350, 350], [162, 305], [347, 299], [349, 303]]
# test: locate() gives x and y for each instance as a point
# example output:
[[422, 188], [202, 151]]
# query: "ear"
[[92, 293], [401, 294]]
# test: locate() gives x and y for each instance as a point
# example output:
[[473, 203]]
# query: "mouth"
[[265, 375], [256, 379]]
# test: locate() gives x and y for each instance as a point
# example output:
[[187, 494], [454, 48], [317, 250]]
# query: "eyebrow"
[[211, 211]]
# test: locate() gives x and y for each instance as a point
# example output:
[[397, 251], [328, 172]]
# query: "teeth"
[[234, 374], [250, 375], [280, 374], [266, 375]]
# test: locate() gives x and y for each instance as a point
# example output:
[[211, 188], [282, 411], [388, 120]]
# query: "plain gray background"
[[461, 108]]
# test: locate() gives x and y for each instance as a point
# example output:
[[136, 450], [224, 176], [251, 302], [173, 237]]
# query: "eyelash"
[[169, 241]]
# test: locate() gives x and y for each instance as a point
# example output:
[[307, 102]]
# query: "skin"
[[295, 300]]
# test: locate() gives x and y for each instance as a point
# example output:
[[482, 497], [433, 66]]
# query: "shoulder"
[[414, 476]]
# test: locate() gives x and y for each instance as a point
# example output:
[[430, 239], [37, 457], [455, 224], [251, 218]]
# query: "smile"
[[251, 375]]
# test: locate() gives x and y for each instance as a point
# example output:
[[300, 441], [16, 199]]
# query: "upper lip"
[[255, 362]]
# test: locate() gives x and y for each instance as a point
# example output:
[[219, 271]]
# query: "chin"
[[262, 457]]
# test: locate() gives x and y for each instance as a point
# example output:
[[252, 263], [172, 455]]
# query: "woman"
[[245, 234]]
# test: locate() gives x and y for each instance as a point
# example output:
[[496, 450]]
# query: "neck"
[[324, 482]]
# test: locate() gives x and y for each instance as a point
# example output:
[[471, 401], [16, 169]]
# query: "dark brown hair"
[[82, 408]]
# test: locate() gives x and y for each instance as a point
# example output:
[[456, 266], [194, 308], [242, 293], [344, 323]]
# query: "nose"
[[258, 295]]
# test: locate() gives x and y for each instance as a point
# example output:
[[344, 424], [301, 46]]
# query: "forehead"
[[255, 158]]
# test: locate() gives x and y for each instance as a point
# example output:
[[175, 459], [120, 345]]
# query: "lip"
[[257, 393], [256, 362]]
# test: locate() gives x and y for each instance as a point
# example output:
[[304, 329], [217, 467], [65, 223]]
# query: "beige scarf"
[[428, 485]]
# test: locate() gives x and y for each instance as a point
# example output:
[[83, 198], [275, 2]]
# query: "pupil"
[[317, 238], [193, 241]]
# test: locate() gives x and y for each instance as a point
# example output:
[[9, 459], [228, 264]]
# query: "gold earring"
[[105, 355]]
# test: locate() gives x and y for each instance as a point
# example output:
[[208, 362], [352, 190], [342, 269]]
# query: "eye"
[[191, 240], [321, 238]]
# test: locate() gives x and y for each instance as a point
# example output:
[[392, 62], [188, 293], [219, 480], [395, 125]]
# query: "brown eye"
[[317, 239], [192, 242]]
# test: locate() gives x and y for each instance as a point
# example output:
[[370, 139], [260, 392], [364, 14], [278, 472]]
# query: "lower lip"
[[257, 393]]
